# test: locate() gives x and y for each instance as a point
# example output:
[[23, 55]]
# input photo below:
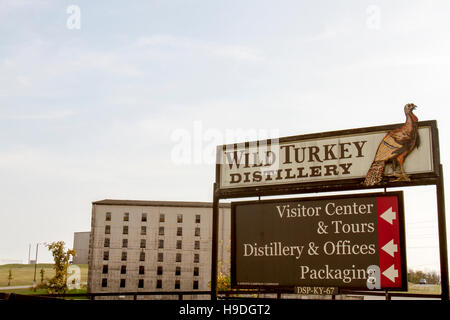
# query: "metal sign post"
[[215, 242], [442, 234]]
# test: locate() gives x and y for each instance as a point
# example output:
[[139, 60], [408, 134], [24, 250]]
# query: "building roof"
[[117, 202]]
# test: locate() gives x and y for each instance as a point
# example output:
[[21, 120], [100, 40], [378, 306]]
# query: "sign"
[[353, 241], [343, 156]]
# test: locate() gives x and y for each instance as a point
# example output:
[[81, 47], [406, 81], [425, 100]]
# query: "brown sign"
[[353, 241], [344, 157]]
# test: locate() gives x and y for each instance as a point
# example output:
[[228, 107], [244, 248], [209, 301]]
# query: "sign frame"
[[435, 178], [403, 271]]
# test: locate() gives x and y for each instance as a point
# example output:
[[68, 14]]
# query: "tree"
[[61, 256], [223, 278], [431, 277], [10, 277], [223, 274], [42, 272]]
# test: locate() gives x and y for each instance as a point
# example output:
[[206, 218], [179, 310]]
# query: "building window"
[[159, 284], [122, 283], [160, 257], [178, 271], [177, 284], [107, 229], [141, 270], [161, 231], [159, 271], [197, 232], [178, 257], [124, 243], [195, 285], [124, 256], [104, 283], [179, 231], [106, 243], [143, 243], [108, 216], [143, 230], [196, 258], [125, 230], [141, 283], [179, 218], [197, 245], [126, 216], [160, 244], [162, 217], [123, 270], [196, 271], [105, 269], [197, 218], [179, 244], [144, 217], [142, 256], [106, 255]]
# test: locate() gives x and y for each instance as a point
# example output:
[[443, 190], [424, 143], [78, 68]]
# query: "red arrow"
[[389, 241]]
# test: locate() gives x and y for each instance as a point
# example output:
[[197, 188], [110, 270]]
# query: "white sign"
[[321, 159]]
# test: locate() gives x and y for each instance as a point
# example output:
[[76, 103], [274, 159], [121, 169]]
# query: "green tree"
[[42, 272], [10, 277], [415, 276], [223, 278], [61, 256]]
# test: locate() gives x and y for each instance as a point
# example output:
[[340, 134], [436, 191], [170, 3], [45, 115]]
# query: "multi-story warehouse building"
[[81, 247], [143, 246]]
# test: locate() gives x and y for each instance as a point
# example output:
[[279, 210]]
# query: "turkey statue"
[[394, 148]]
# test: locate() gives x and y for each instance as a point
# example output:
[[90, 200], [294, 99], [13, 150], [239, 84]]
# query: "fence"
[[222, 295]]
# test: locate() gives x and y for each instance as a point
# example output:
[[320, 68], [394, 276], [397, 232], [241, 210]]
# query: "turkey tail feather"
[[375, 173]]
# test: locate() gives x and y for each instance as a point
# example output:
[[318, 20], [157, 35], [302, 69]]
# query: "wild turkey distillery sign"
[[364, 157], [352, 241]]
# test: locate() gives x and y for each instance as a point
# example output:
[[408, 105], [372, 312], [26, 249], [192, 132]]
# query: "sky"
[[96, 97]]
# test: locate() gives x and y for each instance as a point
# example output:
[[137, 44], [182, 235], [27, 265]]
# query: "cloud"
[[240, 53], [227, 51], [108, 62], [9, 5], [329, 32], [49, 115]]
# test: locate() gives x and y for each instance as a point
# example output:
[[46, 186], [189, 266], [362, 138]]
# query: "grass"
[[44, 292], [23, 274], [424, 289]]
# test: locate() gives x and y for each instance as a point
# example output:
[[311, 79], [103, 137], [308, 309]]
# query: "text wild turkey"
[[395, 147]]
